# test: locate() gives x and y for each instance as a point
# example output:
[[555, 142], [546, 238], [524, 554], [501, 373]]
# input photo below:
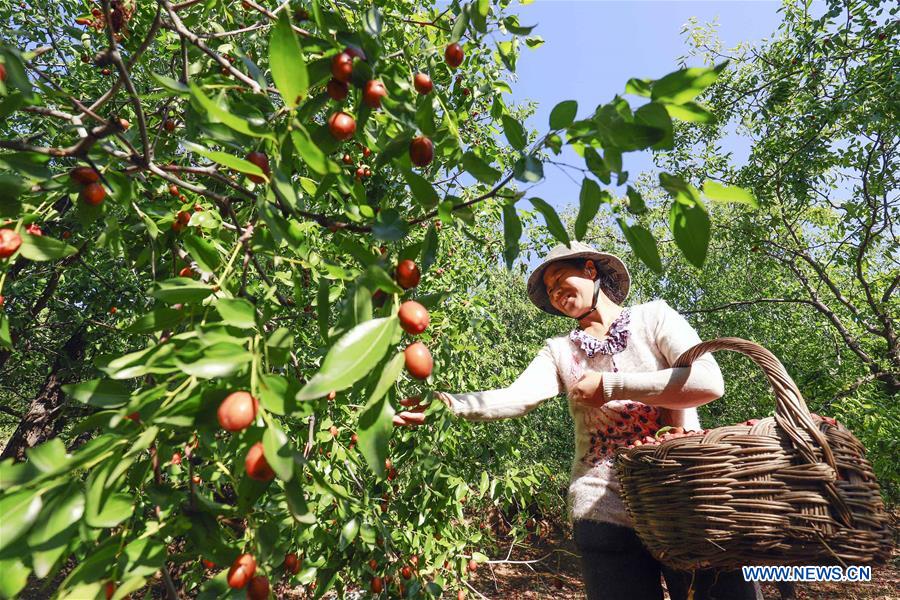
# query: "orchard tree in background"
[[214, 215], [815, 272]]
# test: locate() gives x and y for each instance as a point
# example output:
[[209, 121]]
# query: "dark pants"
[[617, 566]]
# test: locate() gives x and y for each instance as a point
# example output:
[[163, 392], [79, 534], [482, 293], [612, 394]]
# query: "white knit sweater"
[[636, 396]]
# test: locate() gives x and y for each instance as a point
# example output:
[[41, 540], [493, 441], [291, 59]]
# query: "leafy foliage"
[[237, 239]]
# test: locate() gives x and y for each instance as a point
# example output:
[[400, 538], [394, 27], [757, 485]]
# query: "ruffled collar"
[[615, 341]]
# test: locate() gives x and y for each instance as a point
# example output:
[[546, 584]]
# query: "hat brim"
[[537, 291]]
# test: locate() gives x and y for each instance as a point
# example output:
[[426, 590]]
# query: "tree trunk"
[[42, 422]]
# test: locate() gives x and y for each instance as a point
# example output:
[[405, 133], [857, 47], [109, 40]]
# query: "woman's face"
[[570, 287]]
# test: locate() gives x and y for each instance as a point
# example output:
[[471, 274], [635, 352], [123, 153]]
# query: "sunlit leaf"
[[554, 224], [717, 192], [287, 62], [643, 244], [351, 357]]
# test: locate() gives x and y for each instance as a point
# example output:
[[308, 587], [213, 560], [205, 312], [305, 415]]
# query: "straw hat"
[[610, 263]]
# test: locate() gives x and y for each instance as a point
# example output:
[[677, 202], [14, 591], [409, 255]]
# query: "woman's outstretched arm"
[[539, 382]]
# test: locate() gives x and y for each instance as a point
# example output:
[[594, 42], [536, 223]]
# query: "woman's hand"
[[589, 389], [413, 417]]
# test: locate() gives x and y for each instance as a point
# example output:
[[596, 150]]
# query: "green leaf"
[[394, 148], [563, 114], [222, 115], [528, 169], [382, 280], [512, 25], [202, 252], [273, 391], [679, 189], [225, 159], [429, 248], [372, 22], [16, 77], [478, 12], [634, 136], [84, 580], [534, 41], [643, 244], [690, 111], [104, 506], [357, 307], [318, 15], [690, 227], [5, 338], [278, 452], [322, 306], [512, 231], [42, 248], [459, 26], [351, 357], [20, 510], [655, 115], [49, 456], [181, 289], [589, 203], [311, 154], [348, 533], [554, 224], [287, 63], [9, 105], [376, 419], [636, 204], [155, 320], [49, 538], [15, 577], [507, 51], [479, 169], [103, 393], [297, 504], [279, 346], [425, 115], [390, 225], [638, 87], [717, 192], [685, 85], [514, 132], [554, 142], [237, 312], [171, 84], [596, 164], [219, 360], [421, 189], [612, 158], [143, 556]]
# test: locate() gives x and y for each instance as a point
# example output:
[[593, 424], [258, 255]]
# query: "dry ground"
[[558, 575]]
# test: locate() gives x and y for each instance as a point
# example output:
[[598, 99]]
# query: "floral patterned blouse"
[[616, 423]]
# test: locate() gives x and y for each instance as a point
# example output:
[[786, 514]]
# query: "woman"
[[615, 369]]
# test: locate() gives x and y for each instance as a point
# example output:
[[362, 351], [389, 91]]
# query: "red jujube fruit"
[[256, 465], [414, 318], [237, 411], [418, 360]]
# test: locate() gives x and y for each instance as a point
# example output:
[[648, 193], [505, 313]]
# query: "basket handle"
[[791, 412]]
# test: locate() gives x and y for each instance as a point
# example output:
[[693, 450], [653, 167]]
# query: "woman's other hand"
[[589, 389], [413, 417]]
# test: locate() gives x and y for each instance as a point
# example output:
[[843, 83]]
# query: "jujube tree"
[[266, 189]]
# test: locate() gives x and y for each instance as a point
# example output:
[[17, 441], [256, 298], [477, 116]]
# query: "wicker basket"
[[786, 490]]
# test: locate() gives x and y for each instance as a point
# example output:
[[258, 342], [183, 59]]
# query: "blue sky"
[[593, 47]]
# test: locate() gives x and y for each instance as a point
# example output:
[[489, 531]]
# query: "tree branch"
[[748, 303]]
